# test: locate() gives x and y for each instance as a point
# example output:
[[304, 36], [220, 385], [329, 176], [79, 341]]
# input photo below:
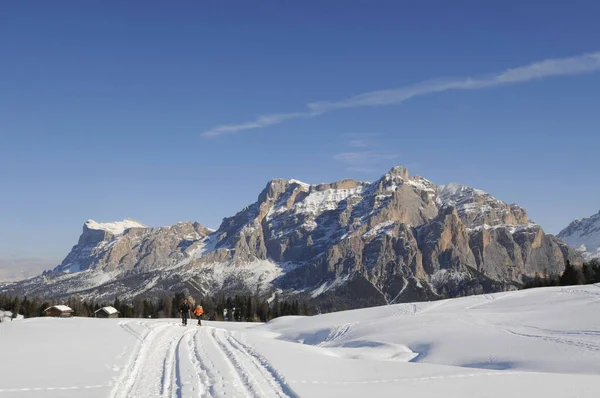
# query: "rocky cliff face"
[[401, 234], [584, 235], [129, 245], [399, 238]]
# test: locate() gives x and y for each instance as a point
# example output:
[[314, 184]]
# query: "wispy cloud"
[[359, 143], [586, 63], [261, 121]]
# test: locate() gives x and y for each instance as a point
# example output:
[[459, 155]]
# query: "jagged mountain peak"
[[398, 171], [273, 189], [478, 208], [398, 176]]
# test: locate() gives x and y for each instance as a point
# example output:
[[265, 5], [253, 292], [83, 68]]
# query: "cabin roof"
[[62, 308], [109, 310]]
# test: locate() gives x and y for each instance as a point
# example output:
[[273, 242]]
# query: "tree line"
[[572, 275], [238, 308]]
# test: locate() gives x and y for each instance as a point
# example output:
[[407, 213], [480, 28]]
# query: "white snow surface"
[[465, 198], [253, 273], [115, 228], [381, 228], [531, 343], [318, 202]]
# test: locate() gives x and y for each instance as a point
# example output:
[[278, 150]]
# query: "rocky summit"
[[348, 243]]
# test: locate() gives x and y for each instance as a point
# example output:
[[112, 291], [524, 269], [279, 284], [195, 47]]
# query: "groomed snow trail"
[[173, 361]]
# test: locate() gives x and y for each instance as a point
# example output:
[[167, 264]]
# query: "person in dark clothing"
[[185, 312]]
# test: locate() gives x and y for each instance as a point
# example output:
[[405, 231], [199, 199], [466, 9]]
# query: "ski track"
[[129, 375], [204, 365], [258, 379], [564, 337], [580, 292], [406, 309], [198, 379], [587, 346], [174, 362], [337, 334], [139, 336], [151, 371], [489, 298], [271, 375]]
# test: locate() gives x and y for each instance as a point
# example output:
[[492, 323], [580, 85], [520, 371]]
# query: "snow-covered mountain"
[[94, 241], [344, 244], [584, 235]]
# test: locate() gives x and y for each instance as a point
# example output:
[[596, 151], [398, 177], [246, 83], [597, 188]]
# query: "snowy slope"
[[539, 342], [584, 235]]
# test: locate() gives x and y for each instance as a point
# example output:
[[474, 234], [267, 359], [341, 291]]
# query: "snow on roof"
[[63, 308], [109, 310], [115, 228]]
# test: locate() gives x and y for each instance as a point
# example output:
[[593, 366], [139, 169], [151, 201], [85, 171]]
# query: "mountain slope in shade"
[[584, 235], [347, 243]]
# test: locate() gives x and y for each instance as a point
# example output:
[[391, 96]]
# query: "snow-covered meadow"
[[538, 342]]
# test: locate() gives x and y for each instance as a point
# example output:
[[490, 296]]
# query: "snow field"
[[538, 342]]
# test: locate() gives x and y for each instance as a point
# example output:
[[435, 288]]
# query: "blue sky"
[[115, 110]]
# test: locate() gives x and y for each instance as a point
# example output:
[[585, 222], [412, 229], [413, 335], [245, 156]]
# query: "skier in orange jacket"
[[198, 311]]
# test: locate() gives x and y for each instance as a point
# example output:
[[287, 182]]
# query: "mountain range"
[[584, 234], [344, 244]]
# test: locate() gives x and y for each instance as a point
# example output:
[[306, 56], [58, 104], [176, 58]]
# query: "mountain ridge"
[[395, 239]]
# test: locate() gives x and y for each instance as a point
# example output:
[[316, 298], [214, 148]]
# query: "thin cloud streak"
[[359, 143], [261, 121], [586, 63]]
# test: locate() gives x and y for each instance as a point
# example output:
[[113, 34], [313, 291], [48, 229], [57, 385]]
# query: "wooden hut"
[[106, 312], [61, 311]]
